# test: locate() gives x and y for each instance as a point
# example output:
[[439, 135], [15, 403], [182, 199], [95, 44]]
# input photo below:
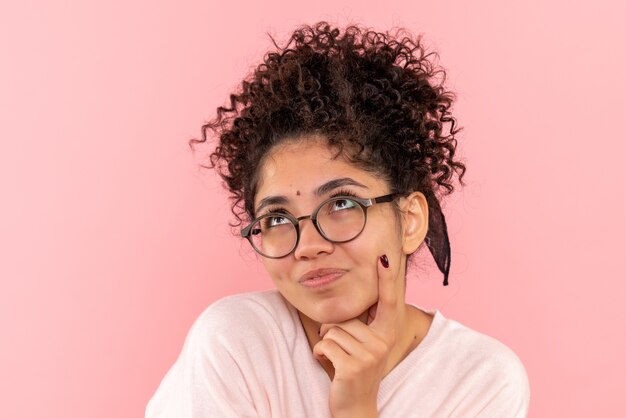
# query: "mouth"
[[321, 278]]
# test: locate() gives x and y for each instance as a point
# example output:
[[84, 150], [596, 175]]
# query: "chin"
[[336, 315]]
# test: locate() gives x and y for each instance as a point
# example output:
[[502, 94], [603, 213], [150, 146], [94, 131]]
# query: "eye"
[[342, 204], [273, 221]]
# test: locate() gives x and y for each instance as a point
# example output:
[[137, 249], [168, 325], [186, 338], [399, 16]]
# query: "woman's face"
[[295, 171]]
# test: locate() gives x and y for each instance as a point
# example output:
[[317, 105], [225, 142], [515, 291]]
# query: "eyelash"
[[343, 192], [340, 192]]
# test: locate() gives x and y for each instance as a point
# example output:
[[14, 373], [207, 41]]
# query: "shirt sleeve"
[[512, 398], [206, 381]]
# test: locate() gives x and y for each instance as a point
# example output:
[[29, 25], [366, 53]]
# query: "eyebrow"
[[320, 191]]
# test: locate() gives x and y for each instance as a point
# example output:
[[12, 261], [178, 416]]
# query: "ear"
[[414, 210]]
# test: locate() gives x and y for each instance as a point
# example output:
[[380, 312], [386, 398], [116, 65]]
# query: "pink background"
[[113, 241]]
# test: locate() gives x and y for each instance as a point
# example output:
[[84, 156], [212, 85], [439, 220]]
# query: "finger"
[[354, 327], [332, 351], [375, 350], [386, 308], [351, 345]]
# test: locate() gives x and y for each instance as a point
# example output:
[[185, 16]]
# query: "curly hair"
[[379, 95]]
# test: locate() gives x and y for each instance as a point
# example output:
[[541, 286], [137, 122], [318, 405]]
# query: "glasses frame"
[[364, 203]]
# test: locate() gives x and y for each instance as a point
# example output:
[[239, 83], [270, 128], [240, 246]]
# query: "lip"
[[320, 277]]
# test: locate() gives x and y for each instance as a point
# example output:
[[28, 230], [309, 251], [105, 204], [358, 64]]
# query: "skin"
[[359, 326]]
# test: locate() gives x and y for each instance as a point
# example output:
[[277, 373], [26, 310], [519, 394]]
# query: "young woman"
[[335, 151]]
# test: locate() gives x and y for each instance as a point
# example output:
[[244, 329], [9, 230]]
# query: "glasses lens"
[[341, 219], [273, 235]]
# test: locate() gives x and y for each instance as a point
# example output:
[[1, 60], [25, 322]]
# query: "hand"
[[359, 352]]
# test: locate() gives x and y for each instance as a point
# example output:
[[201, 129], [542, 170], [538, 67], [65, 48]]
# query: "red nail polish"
[[384, 261]]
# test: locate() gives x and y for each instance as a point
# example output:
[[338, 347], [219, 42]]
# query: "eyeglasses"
[[338, 219]]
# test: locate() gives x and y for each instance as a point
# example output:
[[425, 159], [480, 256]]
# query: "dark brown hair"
[[380, 94]]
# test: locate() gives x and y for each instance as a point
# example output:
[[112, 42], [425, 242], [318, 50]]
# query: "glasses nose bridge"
[[301, 218], [313, 221]]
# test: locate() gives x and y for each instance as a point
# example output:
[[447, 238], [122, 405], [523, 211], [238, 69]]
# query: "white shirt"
[[247, 355]]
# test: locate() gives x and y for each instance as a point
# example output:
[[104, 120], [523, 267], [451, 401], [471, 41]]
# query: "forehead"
[[298, 168]]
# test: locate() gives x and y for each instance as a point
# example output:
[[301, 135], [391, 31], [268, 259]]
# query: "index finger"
[[386, 306]]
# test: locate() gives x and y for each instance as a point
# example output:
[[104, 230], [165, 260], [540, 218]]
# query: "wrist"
[[361, 412]]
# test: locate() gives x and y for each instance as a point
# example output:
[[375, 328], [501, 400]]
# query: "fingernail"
[[384, 261]]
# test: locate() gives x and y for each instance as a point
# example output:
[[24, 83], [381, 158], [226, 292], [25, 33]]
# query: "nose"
[[312, 243]]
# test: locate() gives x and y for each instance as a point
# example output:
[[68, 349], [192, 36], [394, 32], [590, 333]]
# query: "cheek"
[[379, 240], [364, 259], [367, 248], [280, 271]]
